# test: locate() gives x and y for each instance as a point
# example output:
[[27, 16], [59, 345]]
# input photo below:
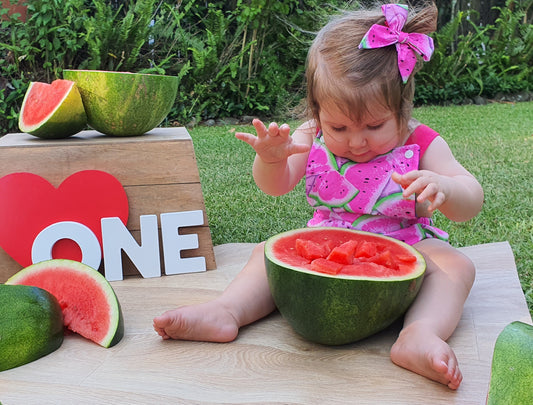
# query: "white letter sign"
[[46, 239], [174, 243], [116, 237]]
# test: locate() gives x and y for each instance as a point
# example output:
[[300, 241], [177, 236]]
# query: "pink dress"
[[363, 196]]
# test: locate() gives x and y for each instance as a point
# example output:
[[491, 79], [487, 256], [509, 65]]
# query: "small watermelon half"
[[336, 286], [89, 304], [53, 110]]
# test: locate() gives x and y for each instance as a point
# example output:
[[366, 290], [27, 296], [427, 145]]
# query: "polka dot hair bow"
[[391, 33]]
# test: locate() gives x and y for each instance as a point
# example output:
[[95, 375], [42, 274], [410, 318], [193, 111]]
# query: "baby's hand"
[[273, 144], [426, 185]]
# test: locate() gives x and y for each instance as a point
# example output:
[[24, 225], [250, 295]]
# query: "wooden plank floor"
[[268, 363]]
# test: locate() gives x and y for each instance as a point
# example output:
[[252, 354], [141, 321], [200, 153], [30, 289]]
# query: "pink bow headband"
[[391, 33]]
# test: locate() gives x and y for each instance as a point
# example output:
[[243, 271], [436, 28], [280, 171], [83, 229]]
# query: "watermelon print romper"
[[363, 196]]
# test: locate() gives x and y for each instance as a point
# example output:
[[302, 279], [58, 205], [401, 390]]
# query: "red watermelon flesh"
[[339, 252], [38, 105], [89, 304]]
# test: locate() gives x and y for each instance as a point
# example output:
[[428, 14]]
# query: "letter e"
[[174, 243]]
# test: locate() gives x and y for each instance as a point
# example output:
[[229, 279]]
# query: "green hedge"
[[483, 61], [239, 57]]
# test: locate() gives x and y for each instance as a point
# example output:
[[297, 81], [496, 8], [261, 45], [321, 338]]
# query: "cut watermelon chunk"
[[344, 254], [366, 249], [384, 258], [52, 110], [326, 266], [89, 304], [310, 250]]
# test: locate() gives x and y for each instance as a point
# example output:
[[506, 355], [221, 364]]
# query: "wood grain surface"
[[158, 171], [268, 363]]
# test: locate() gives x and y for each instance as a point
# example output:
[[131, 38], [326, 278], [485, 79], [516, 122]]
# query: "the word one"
[[117, 238]]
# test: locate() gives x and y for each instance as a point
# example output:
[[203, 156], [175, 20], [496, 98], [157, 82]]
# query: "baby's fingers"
[[408, 182], [284, 131], [428, 191], [260, 128], [295, 148], [248, 138], [439, 199]]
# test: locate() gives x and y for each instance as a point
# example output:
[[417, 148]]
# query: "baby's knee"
[[260, 246], [464, 269], [259, 249], [443, 257]]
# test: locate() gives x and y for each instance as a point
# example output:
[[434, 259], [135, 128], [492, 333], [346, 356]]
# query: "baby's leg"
[[244, 301], [421, 346]]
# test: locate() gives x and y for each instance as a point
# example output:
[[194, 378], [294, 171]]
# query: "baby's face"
[[359, 141]]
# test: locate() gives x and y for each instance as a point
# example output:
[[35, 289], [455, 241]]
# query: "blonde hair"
[[356, 79]]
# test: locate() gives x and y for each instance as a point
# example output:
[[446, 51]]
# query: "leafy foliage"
[[115, 37], [484, 61], [242, 57]]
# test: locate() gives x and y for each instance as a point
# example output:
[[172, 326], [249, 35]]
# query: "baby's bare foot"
[[425, 353], [209, 322]]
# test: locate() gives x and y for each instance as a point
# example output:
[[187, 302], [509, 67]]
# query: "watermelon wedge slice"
[[52, 111], [89, 304]]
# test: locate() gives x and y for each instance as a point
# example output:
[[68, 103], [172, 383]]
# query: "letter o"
[[85, 238]]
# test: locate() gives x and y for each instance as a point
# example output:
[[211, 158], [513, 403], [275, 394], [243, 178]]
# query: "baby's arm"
[[444, 183], [280, 158]]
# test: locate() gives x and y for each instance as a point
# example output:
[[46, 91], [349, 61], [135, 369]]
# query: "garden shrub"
[[485, 61], [240, 57]]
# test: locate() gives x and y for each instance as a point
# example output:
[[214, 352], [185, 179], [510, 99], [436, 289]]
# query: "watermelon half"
[[123, 103], [511, 375], [336, 286], [89, 304], [53, 110]]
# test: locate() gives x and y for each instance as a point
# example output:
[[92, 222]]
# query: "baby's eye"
[[374, 127], [338, 129]]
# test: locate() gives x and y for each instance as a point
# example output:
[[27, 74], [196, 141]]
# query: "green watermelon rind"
[[31, 325], [338, 204], [394, 205], [512, 366], [123, 103], [339, 309], [67, 119], [332, 203], [116, 327], [330, 156]]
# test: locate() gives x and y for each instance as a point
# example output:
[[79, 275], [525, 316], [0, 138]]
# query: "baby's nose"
[[357, 141]]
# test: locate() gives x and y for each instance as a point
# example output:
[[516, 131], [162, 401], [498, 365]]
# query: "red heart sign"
[[29, 203]]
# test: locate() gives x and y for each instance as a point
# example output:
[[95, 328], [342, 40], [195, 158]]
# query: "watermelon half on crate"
[[89, 304], [124, 103], [336, 286], [52, 111]]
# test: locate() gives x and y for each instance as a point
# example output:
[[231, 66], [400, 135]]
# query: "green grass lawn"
[[494, 142]]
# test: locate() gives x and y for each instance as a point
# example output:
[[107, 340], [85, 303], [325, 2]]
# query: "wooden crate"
[[158, 171]]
